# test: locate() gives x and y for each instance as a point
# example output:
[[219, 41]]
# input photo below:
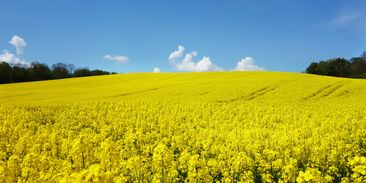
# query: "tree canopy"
[[39, 71], [340, 67]]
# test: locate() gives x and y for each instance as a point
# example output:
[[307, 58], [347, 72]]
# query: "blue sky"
[[216, 35]]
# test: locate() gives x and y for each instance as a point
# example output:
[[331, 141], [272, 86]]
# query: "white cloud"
[[187, 63], [247, 64], [345, 19], [205, 64], [117, 58], [351, 16], [19, 44], [177, 53], [12, 59], [156, 70]]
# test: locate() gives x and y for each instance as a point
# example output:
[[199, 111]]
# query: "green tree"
[[60, 70], [358, 66], [339, 67], [5, 72], [20, 74], [323, 68], [313, 68], [39, 72], [81, 72], [99, 72]]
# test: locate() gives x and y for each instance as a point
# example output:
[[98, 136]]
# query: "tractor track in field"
[[326, 90], [18, 95], [136, 92], [259, 92], [252, 95]]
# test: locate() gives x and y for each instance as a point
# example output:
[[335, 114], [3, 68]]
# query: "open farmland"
[[184, 127]]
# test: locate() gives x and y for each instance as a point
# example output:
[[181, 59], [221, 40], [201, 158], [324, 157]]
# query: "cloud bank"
[[247, 64], [14, 59], [116, 58], [187, 63]]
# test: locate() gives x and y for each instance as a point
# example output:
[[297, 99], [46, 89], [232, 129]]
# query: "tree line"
[[340, 67], [39, 71]]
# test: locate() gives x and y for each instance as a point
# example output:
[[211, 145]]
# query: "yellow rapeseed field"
[[184, 127]]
